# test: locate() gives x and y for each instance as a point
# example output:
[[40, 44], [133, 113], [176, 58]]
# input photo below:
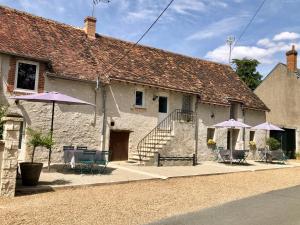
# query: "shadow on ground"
[[66, 169]]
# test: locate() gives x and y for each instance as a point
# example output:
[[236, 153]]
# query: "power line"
[[141, 38], [247, 26]]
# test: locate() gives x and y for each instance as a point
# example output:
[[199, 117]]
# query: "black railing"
[[149, 144]]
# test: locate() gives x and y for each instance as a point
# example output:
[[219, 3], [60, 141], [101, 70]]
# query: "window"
[[252, 135], [139, 98], [26, 75], [233, 111], [163, 104], [210, 133]]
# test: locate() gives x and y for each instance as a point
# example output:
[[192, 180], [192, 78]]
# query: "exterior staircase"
[[157, 138]]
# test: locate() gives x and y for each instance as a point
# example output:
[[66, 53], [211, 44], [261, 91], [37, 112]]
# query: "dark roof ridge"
[[39, 17]]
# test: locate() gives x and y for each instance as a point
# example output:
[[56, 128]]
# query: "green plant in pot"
[[273, 144], [31, 171]]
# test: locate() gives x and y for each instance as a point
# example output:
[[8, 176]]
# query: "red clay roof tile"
[[73, 55]]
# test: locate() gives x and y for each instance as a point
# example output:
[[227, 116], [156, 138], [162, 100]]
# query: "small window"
[[163, 104], [234, 111], [26, 75], [210, 133], [139, 98], [252, 133]]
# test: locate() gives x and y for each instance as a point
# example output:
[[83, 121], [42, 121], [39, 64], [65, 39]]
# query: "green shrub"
[[37, 138], [273, 144]]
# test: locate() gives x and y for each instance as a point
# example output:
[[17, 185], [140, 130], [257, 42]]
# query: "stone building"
[[149, 94], [280, 90]]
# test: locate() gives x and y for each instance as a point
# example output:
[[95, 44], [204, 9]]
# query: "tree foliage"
[[37, 138], [246, 69]]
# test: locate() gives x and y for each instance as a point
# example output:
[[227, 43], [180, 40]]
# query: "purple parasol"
[[231, 124], [51, 97], [267, 126]]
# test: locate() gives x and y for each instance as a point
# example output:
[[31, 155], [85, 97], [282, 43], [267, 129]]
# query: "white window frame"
[[36, 76], [143, 99]]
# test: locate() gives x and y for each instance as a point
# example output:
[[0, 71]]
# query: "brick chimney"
[[291, 58], [90, 26]]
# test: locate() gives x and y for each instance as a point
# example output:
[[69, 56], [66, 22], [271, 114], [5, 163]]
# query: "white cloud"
[[286, 36], [265, 42], [142, 14], [219, 28], [264, 54], [187, 6]]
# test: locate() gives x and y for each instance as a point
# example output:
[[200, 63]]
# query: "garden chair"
[[276, 155], [240, 155], [101, 160], [68, 154], [262, 152], [216, 152], [224, 155], [85, 160]]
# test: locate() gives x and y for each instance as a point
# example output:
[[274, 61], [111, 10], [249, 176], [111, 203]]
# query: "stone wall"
[[183, 142], [9, 160], [2, 143]]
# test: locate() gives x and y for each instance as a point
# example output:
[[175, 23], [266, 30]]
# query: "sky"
[[197, 28]]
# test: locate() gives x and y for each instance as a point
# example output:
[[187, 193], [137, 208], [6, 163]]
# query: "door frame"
[[162, 116], [110, 150]]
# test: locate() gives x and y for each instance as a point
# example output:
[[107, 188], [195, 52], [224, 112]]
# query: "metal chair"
[[68, 154], [101, 160], [276, 155], [262, 152], [240, 156]]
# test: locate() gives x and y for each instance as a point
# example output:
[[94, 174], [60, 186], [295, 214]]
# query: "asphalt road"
[[274, 208]]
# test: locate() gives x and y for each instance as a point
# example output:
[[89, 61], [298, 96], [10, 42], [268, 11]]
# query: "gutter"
[[104, 120]]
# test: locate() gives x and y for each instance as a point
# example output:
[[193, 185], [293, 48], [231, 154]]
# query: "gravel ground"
[[140, 202]]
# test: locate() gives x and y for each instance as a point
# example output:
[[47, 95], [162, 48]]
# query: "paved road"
[[274, 208]]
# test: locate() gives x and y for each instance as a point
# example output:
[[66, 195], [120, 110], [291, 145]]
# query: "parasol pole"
[[51, 134], [231, 143]]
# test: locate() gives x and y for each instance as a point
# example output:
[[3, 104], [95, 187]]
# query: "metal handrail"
[[158, 133]]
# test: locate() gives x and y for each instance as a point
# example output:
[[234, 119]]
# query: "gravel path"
[[140, 202]]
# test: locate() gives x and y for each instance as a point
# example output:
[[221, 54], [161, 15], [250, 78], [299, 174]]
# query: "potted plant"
[[30, 171], [211, 143], [273, 144]]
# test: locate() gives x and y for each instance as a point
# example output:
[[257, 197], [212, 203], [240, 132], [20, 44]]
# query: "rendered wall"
[[280, 91]]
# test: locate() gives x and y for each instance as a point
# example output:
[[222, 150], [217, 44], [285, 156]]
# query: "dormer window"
[[26, 78]]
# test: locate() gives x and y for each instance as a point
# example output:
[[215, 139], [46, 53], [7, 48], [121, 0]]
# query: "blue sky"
[[196, 28]]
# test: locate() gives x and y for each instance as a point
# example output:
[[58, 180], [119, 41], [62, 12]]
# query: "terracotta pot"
[[30, 173]]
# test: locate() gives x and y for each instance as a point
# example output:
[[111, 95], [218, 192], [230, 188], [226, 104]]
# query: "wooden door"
[[118, 145]]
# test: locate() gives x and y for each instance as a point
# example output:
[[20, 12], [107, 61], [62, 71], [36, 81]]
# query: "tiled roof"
[[73, 55]]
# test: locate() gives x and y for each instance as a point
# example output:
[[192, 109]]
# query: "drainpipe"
[[196, 131], [244, 129], [104, 122]]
